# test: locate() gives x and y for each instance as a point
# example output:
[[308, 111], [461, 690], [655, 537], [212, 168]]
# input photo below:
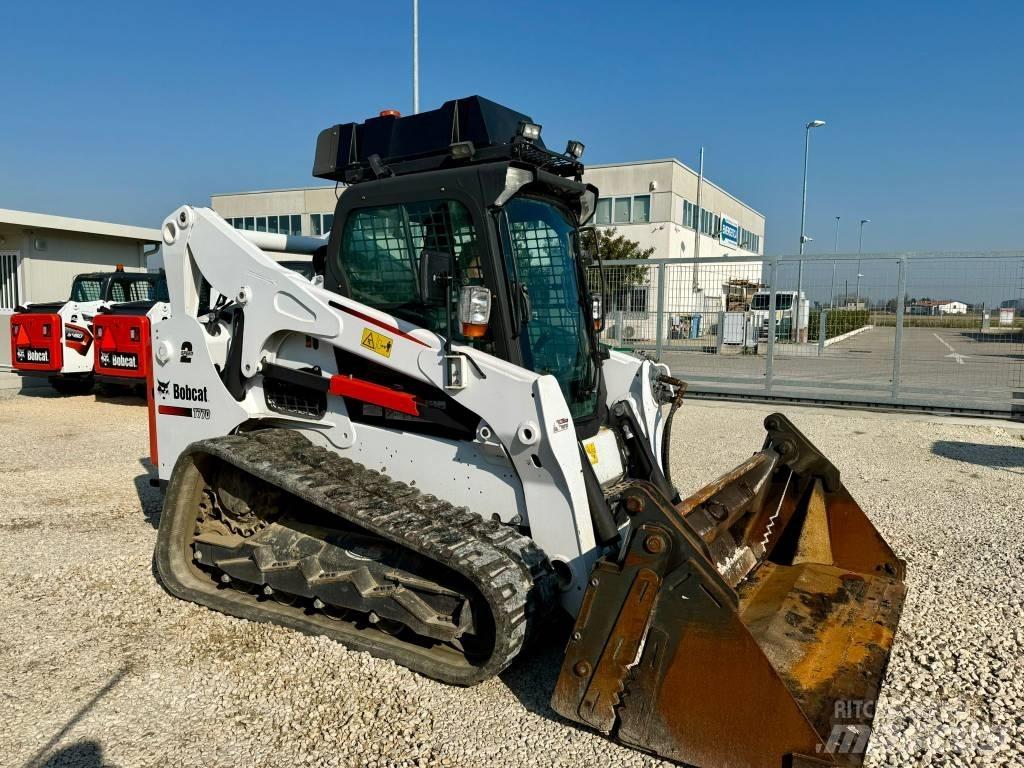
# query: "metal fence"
[[937, 330]]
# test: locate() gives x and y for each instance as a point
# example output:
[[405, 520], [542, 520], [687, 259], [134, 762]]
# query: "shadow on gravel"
[[42, 390], [1008, 457], [150, 499], [533, 675], [81, 754], [85, 753]]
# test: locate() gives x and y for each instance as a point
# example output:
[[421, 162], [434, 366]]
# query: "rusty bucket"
[[748, 625]]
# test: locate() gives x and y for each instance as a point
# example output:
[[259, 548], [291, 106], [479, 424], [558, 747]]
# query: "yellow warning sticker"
[[591, 450], [377, 342]]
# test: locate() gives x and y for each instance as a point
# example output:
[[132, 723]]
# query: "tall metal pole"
[[832, 288], [803, 220], [803, 207], [696, 239], [415, 57], [860, 249]]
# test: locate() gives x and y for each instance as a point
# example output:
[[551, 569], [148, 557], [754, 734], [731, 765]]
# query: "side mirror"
[[435, 271], [597, 310]]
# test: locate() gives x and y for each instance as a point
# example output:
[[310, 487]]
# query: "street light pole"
[[832, 288], [416, 57], [803, 208], [803, 221], [696, 229], [860, 248]]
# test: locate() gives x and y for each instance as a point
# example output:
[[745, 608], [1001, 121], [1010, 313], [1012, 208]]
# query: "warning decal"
[[377, 342], [591, 450]]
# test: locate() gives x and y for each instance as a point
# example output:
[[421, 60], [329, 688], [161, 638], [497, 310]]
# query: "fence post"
[[822, 331], [660, 332], [721, 333], [897, 354], [770, 361]]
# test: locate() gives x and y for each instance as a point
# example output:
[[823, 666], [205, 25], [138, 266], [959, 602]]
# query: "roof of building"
[[86, 226], [282, 189], [936, 302], [681, 164]]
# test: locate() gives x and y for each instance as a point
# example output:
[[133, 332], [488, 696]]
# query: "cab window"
[[381, 249], [138, 289], [87, 289]]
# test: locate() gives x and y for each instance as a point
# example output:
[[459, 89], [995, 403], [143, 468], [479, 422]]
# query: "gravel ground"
[[98, 666]]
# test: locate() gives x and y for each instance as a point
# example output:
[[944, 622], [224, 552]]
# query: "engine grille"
[[294, 400]]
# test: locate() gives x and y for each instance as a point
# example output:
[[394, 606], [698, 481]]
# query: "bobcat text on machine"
[[122, 335], [427, 454], [55, 340], [123, 357]]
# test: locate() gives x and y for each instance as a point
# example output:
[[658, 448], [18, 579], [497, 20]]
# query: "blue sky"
[[122, 111]]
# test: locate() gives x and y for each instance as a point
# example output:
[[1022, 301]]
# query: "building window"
[[621, 210], [261, 223], [689, 214], [236, 223], [250, 223], [642, 208], [604, 211], [272, 224], [320, 223], [10, 294], [710, 223], [749, 241]]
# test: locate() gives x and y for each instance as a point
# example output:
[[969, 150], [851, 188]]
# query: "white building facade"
[[721, 243]]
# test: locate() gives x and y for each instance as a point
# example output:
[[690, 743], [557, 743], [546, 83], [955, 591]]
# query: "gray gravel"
[[98, 666]]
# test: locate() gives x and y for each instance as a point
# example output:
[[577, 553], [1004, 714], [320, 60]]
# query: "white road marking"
[[953, 353]]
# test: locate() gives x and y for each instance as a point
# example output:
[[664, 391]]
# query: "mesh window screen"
[[87, 289], [140, 290], [556, 337], [381, 248]]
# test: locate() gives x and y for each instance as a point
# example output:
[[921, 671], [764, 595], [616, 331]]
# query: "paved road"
[[938, 366]]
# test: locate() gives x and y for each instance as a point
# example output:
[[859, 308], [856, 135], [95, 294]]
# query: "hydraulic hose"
[[666, 434]]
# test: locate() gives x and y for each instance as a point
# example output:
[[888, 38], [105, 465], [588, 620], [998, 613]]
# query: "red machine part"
[[122, 346], [36, 342]]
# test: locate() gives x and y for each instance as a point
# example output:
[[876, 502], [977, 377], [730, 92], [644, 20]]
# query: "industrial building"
[[40, 255]]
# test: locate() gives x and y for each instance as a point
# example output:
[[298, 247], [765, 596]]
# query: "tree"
[[618, 279]]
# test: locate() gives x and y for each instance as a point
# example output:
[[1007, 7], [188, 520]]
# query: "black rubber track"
[[507, 568]]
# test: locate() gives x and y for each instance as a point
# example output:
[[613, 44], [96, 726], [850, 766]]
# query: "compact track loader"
[[427, 454], [55, 340]]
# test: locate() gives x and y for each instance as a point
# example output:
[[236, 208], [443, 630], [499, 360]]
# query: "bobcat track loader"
[[427, 454], [55, 340]]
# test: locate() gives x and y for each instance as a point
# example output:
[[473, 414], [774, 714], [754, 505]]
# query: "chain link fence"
[[936, 330]]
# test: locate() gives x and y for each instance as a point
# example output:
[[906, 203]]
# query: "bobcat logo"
[[162, 387]]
